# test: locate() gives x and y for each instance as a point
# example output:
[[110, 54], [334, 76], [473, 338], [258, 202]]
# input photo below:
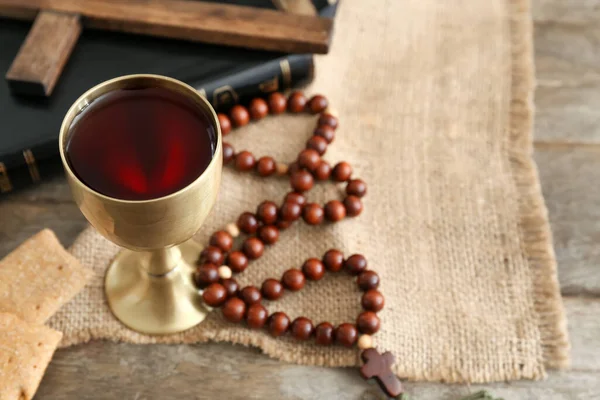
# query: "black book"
[[29, 126]]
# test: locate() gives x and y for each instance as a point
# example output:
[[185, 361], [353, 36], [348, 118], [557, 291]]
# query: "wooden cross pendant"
[[379, 366]]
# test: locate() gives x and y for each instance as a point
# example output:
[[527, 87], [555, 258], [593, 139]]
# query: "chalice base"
[[155, 304]]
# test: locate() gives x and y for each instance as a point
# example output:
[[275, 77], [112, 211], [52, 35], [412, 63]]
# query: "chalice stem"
[[164, 260]]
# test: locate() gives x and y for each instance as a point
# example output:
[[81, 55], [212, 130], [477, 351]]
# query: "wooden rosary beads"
[[218, 263]]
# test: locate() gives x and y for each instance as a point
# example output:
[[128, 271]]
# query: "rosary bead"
[[222, 240], [323, 171], [353, 206], [250, 295], [271, 289], [268, 234], [237, 261], [283, 225], [281, 168], [293, 279], [232, 229], [231, 286], [355, 264], [326, 132], [327, 119], [368, 322], [290, 211], [302, 328], [214, 295], [318, 144], [293, 168], [228, 153], [313, 269], [335, 211], [278, 324], [224, 123], [365, 342], [341, 172], [253, 248], [297, 102], [333, 260], [309, 159], [212, 255], [367, 280], [258, 108], [247, 223], [265, 166], [256, 316], [234, 309], [205, 275], [277, 103], [244, 161], [239, 115], [295, 198], [324, 334], [317, 104], [346, 334], [312, 214], [372, 300], [356, 187], [225, 272], [267, 212]]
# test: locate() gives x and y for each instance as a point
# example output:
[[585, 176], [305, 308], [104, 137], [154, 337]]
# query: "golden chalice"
[[149, 285]]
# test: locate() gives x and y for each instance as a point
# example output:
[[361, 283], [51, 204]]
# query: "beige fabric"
[[435, 102]]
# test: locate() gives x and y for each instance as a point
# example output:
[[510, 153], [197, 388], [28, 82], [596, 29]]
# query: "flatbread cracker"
[[38, 277], [25, 352]]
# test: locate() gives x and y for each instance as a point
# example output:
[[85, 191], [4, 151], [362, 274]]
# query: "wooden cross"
[[58, 24], [379, 366]]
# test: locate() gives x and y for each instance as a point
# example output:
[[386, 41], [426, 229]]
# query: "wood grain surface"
[[567, 151]]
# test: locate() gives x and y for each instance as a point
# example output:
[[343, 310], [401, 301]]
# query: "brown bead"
[[324, 334], [234, 309], [335, 211], [333, 260], [283, 225], [290, 211], [212, 255], [295, 198], [313, 214], [367, 280], [317, 104], [271, 289], [297, 102], [341, 172], [214, 295], [301, 181], [293, 279], [239, 115], [323, 171], [256, 316], [356, 187], [318, 144], [231, 286], [253, 248], [302, 328], [309, 159], [205, 275], [353, 206], [268, 234], [346, 334], [326, 132], [277, 103], [250, 295], [267, 212], [228, 153], [244, 161], [355, 264], [278, 324], [258, 108], [265, 166], [237, 261], [221, 239], [247, 223], [328, 120], [313, 269], [372, 300], [224, 123], [367, 322]]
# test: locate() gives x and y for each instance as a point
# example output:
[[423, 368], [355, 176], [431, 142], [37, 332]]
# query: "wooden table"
[[567, 150]]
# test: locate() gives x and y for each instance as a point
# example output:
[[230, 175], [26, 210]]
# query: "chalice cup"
[[149, 284]]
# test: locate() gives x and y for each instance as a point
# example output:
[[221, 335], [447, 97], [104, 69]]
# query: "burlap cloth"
[[435, 101]]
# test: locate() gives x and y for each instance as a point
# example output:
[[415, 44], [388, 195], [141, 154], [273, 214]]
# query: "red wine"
[[140, 144]]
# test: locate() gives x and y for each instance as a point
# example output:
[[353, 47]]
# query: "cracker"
[[38, 277], [25, 352]]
